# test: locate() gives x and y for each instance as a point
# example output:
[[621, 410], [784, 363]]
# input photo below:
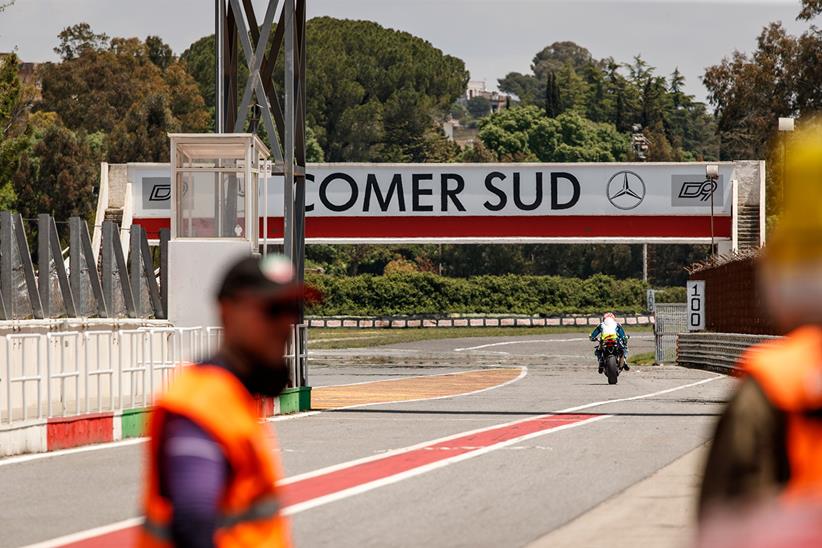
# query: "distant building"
[[479, 88]]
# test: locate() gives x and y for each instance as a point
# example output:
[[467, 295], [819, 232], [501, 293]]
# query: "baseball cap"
[[273, 278]]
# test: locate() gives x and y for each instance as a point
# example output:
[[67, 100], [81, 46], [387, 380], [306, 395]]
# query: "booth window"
[[211, 205]]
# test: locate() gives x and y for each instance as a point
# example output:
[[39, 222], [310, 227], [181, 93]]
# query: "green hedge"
[[424, 293]]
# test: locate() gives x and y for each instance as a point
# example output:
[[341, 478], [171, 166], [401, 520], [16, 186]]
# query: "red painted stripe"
[[360, 474], [578, 226], [66, 432], [356, 475]]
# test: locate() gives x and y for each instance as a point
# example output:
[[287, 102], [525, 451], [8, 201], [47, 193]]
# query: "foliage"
[[782, 77], [528, 134], [666, 262], [407, 292], [373, 94], [57, 175], [79, 39], [810, 9], [100, 81], [478, 106], [565, 77]]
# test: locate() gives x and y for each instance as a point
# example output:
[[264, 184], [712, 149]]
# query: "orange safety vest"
[[217, 401], [790, 374]]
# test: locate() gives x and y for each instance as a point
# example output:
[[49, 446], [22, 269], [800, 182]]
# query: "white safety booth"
[[214, 217]]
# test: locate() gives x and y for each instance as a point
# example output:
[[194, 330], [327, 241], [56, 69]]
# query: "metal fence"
[[670, 321], [70, 373], [113, 281]]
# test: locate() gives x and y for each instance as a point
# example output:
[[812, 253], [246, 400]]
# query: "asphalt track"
[[494, 468]]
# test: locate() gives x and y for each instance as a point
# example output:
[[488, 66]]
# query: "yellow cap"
[[797, 238]]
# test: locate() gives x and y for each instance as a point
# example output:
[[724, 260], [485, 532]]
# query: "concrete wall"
[[195, 270]]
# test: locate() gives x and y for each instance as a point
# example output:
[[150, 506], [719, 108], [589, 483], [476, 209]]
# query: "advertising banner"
[[483, 202]]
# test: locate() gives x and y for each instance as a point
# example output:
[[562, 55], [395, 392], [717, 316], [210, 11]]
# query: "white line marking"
[[506, 343], [392, 452], [404, 475], [370, 486], [535, 341], [642, 397], [74, 450], [83, 535], [280, 418]]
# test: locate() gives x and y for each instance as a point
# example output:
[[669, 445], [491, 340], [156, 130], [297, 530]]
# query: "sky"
[[493, 37]]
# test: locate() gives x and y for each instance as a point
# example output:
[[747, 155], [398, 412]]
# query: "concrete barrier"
[[718, 352], [426, 322]]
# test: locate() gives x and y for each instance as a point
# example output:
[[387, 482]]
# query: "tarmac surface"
[[507, 486]]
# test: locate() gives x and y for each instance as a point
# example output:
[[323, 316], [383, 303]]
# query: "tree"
[[527, 134], [810, 9], [94, 88], [57, 176], [78, 39], [159, 52], [552, 96], [479, 106], [372, 93], [477, 153], [142, 136]]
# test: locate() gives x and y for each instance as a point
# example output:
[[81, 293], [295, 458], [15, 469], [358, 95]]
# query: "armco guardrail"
[[715, 351]]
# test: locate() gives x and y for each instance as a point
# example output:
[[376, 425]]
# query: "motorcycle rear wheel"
[[612, 369]]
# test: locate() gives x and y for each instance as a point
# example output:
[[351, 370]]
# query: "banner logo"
[[626, 190]]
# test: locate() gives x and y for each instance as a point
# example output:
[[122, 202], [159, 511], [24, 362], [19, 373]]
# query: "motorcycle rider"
[[610, 329]]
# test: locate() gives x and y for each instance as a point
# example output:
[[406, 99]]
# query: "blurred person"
[[767, 449], [212, 472], [609, 328]]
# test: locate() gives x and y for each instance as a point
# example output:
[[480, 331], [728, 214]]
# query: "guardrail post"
[[108, 265], [6, 265], [60, 267], [75, 270], [28, 267], [165, 237], [44, 261], [135, 268]]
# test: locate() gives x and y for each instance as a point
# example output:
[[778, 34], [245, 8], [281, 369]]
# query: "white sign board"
[[488, 202], [696, 305]]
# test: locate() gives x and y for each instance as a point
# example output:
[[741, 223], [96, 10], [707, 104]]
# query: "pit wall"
[[43, 435]]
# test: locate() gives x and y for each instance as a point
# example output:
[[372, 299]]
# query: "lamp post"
[[712, 175], [785, 126]]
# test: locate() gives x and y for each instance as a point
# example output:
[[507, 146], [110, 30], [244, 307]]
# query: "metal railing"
[[715, 351], [670, 320], [70, 373]]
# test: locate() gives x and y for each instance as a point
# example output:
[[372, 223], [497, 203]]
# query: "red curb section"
[[357, 475], [67, 432]]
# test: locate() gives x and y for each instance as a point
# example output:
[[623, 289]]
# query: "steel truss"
[[237, 29]]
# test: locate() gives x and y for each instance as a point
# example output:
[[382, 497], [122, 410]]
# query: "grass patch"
[[334, 338], [646, 358]]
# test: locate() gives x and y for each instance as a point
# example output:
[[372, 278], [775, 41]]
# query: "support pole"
[[219, 96], [290, 104], [645, 263]]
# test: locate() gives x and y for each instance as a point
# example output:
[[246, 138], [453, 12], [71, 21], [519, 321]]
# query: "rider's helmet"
[[608, 316]]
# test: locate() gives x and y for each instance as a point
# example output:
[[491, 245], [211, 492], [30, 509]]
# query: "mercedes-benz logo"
[[626, 190]]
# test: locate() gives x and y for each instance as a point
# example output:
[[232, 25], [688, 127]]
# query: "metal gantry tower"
[[277, 95]]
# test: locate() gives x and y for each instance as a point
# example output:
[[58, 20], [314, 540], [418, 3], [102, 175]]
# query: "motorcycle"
[[612, 359]]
